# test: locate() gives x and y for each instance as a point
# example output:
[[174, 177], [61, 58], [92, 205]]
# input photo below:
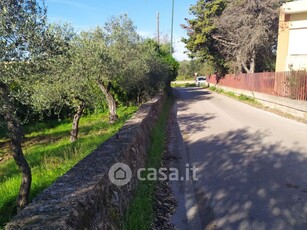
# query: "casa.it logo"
[[120, 174]]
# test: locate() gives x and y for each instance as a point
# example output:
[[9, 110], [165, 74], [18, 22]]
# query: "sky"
[[84, 14]]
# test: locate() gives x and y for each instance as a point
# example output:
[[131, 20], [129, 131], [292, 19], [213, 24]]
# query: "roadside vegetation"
[[178, 84], [241, 97], [253, 102], [54, 80], [140, 212]]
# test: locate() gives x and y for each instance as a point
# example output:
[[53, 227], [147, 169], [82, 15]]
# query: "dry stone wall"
[[84, 198]]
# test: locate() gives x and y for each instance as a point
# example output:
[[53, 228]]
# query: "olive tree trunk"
[[110, 100], [75, 124], [15, 137]]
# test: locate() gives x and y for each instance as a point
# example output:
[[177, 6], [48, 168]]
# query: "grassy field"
[[50, 154], [140, 213]]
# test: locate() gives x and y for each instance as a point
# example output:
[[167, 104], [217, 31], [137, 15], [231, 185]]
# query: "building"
[[292, 37]]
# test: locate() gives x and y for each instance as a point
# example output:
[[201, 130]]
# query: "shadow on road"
[[244, 184], [194, 123], [191, 94]]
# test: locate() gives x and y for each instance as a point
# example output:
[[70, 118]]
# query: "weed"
[[140, 213], [241, 97]]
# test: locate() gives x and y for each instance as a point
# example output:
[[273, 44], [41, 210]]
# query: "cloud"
[[180, 50]]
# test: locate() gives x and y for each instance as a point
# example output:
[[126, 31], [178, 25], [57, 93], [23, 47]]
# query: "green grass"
[[50, 154], [253, 102], [140, 212], [241, 97]]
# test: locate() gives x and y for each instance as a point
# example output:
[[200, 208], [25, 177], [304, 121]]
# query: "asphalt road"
[[252, 164]]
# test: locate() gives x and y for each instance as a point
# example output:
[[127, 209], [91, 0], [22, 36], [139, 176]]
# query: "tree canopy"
[[237, 35]]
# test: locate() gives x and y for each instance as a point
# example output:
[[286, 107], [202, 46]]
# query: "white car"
[[201, 80]]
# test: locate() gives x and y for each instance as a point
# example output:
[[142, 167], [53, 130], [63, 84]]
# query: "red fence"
[[286, 84]]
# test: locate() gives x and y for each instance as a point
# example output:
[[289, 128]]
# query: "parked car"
[[201, 80]]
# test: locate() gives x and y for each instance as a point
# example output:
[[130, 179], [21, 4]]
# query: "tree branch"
[[223, 42]]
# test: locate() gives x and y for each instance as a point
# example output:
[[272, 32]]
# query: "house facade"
[[292, 37]]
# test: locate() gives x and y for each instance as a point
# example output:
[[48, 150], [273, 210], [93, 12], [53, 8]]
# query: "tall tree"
[[247, 32], [241, 34], [201, 30], [22, 27]]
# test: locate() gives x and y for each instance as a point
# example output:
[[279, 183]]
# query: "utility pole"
[[172, 28], [158, 28]]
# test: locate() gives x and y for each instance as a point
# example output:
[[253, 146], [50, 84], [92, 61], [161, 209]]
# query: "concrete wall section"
[[84, 198], [293, 107], [292, 33], [283, 41]]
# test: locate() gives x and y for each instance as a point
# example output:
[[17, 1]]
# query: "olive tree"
[[66, 81], [22, 44], [121, 41], [109, 57], [92, 61]]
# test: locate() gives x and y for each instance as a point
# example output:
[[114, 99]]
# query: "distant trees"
[[240, 35], [151, 72], [47, 67], [187, 69]]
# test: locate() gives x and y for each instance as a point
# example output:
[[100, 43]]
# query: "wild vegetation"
[[140, 214], [234, 36], [48, 71]]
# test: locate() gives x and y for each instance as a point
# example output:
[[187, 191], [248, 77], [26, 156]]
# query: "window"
[[297, 42]]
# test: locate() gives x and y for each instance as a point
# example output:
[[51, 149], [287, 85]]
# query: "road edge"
[[186, 214]]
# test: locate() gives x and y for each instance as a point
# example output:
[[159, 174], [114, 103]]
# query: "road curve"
[[252, 164]]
